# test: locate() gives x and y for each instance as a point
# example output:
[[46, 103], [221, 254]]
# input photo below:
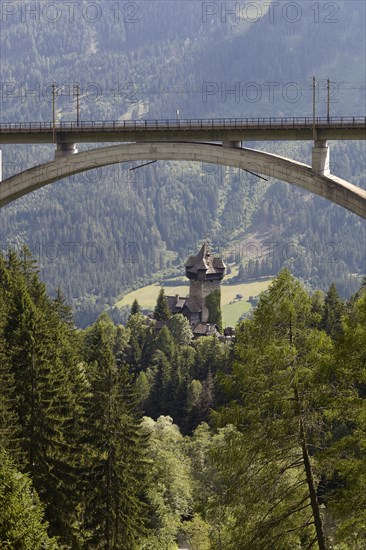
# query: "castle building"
[[203, 306]]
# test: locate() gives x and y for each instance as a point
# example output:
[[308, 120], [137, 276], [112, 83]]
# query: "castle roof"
[[204, 264], [205, 329], [177, 304]]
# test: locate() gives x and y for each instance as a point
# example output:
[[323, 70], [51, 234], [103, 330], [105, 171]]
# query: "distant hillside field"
[[231, 312]]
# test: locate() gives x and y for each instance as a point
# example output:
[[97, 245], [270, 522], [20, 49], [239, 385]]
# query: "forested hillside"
[[126, 438], [102, 233]]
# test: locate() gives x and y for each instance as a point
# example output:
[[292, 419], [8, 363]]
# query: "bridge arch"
[[330, 187]]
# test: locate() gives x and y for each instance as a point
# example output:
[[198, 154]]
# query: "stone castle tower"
[[203, 306], [205, 273]]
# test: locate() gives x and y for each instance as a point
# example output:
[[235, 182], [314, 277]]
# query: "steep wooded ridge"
[[102, 233], [126, 438]]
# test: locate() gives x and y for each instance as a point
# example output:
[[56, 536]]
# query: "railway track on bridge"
[[256, 129]]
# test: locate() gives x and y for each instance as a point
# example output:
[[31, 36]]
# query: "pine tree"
[[135, 308], [161, 399], [21, 513], [9, 422], [114, 509], [64, 311], [161, 311], [334, 308], [139, 350], [45, 402]]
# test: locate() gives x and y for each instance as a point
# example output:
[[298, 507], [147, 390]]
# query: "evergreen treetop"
[[161, 311]]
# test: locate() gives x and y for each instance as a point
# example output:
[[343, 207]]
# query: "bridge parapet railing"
[[184, 124]]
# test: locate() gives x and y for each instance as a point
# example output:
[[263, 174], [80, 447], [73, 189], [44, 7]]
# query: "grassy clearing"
[[231, 313], [147, 295], [229, 292]]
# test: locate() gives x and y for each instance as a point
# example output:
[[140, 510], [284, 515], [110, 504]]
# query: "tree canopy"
[[128, 437]]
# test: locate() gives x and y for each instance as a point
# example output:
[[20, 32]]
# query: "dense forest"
[[129, 438], [105, 232]]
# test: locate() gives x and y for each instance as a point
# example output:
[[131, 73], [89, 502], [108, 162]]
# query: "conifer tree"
[[161, 311], [45, 402], [139, 350], [276, 387], [21, 513], [344, 459], [9, 422], [135, 308], [63, 310], [333, 310], [114, 509], [161, 399]]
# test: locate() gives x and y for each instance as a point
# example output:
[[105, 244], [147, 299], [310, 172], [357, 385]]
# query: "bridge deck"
[[216, 129]]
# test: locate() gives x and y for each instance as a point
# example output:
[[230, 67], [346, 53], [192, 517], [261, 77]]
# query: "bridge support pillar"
[[232, 144], [320, 158], [65, 149]]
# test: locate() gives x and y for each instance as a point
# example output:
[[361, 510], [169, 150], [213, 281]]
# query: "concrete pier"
[[320, 158], [65, 149], [232, 144]]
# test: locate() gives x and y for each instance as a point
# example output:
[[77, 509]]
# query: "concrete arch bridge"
[[163, 140]]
